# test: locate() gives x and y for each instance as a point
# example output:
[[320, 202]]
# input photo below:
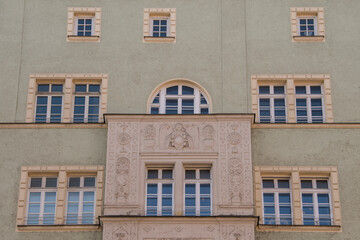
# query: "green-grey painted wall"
[[43, 147], [219, 44]]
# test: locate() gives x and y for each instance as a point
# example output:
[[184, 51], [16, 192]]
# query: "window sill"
[[159, 39], [75, 38], [57, 228], [297, 228], [319, 38]]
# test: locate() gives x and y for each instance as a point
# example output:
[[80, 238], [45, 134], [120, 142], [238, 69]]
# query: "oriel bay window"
[[197, 192], [159, 192], [49, 101]]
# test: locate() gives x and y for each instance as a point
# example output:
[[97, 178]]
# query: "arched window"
[[179, 97]]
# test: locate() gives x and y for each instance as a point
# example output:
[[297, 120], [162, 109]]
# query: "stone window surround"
[[159, 12], [318, 12], [93, 12], [69, 81], [290, 81], [295, 174], [62, 173], [179, 81]]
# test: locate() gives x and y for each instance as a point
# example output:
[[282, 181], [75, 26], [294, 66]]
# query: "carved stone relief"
[[122, 180], [119, 231], [208, 140], [179, 136]]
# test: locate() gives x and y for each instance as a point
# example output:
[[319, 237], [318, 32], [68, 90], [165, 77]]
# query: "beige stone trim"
[[307, 126], [68, 80], [290, 81], [93, 12], [159, 12], [62, 228], [179, 81], [294, 228], [295, 174], [62, 173], [52, 125], [295, 12]]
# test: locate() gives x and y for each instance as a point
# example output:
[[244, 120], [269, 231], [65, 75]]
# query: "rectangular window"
[[49, 103], [309, 106], [315, 199], [197, 195], [272, 106], [81, 200], [277, 208], [42, 201], [160, 27], [159, 192], [84, 26], [307, 25], [86, 103]]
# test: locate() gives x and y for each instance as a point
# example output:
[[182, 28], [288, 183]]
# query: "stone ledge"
[[57, 228], [159, 39], [308, 38], [74, 38], [297, 228]]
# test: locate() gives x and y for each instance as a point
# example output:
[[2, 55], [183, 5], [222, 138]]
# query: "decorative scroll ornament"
[[122, 180], [179, 138]]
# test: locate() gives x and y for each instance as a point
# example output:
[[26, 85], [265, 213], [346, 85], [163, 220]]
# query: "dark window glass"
[[74, 182], [283, 184], [51, 182], [154, 110], [279, 90], [204, 110], [268, 183], [172, 90], [56, 88], [43, 88], [89, 181], [264, 90], [80, 88], [187, 90], [167, 174], [322, 184], [306, 184], [153, 174], [190, 174], [204, 174], [35, 182], [94, 88], [300, 90], [315, 89]]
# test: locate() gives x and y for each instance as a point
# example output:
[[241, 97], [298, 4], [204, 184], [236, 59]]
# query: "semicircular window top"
[[179, 99]]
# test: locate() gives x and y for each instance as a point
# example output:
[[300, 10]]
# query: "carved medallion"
[[234, 138], [179, 138], [124, 138]]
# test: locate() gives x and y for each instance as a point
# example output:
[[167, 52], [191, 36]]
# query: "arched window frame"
[[160, 92]]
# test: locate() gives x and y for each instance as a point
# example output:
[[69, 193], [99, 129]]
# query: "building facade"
[[204, 119]]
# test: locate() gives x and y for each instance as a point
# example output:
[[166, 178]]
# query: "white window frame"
[[307, 30], [197, 181], [159, 182], [159, 18], [81, 191], [49, 96], [272, 96], [276, 190], [315, 192], [77, 18], [42, 191], [163, 97], [86, 94], [308, 96]]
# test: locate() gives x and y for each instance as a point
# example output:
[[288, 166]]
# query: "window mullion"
[[272, 109], [48, 108], [196, 101], [162, 101], [159, 200], [86, 110]]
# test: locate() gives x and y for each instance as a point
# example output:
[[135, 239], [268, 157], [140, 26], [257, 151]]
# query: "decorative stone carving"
[[236, 182], [149, 134], [122, 180], [124, 138], [208, 133], [116, 231], [179, 138]]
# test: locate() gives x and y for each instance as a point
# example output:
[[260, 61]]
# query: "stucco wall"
[[315, 147], [219, 45], [49, 147]]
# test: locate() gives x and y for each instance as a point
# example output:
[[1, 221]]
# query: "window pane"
[[187, 90], [205, 188], [94, 100], [323, 198], [264, 89], [167, 174], [279, 90], [189, 188], [306, 183], [171, 106], [89, 182], [190, 174], [80, 88], [283, 184], [35, 182], [94, 88], [204, 111], [167, 189], [88, 197], [153, 174], [154, 111], [73, 197], [80, 100], [74, 182], [300, 90], [284, 197], [34, 197], [172, 90], [51, 182], [56, 88], [43, 87], [307, 198], [264, 102], [268, 183], [204, 174], [269, 210], [322, 184], [152, 189]]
